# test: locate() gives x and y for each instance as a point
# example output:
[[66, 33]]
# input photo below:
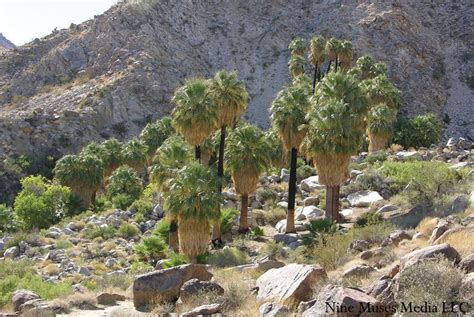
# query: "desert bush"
[[151, 249], [421, 282], [462, 240], [162, 229], [273, 249], [7, 219], [368, 219], [373, 158], [305, 171], [92, 232], [420, 131], [228, 257], [228, 216], [40, 203], [265, 194], [427, 225], [63, 244], [369, 180], [270, 216], [128, 231], [142, 206], [141, 268], [175, 260], [256, 232], [124, 183], [319, 230]]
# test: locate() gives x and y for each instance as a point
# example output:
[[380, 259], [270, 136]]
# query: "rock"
[[460, 203], [441, 227], [286, 238], [387, 208], [429, 253], [158, 211], [358, 270], [109, 299], [22, 296], [364, 198], [418, 236], [83, 271], [37, 308], [285, 175], [268, 264], [195, 286], [290, 284], [365, 255], [303, 306], [350, 300], [283, 204], [2, 245], [311, 201], [467, 287], [204, 310], [382, 291], [308, 212], [359, 245], [273, 310], [11, 253], [311, 184], [165, 284], [399, 235], [467, 264]]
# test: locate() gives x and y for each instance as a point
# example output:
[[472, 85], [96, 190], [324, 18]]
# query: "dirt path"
[[123, 309]]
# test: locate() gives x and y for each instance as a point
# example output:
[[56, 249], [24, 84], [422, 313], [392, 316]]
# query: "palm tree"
[[124, 181], [195, 114], [317, 55], [247, 157], [345, 56], [170, 157], [154, 134], [278, 155], [288, 118], [134, 154], [194, 201], [297, 46], [112, 155], [366, 66], [333, 48], [296, 66], [82, 173], [336, 128], [231, 99]]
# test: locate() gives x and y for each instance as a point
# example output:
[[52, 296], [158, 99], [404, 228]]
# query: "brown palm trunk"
[[216, 230], [332, 203], [244, 216], [197, 153], [173, 236], [329, 67], [290, 215], [335, 66], [315, 76]]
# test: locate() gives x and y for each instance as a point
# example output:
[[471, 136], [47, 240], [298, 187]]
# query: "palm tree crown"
[[296, 65], [317, 50], [134, 154], [154, 134], [297, 46]]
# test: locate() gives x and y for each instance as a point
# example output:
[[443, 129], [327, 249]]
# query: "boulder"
[[109, 299], [308, 212], [467, 264], [37, 308], [311, 201], [195, 286], [290, 284], [22, 296], [286, 238], [273, 310], [460, 203], [342, 301], [359, 245], [397, 236], [310, 184], [11, 253], [382, 291], [467, 287], [204, 310], [430, 253], [387, 208], [365, 255], [440, 228], [267, 264], [358, 270], [164, 285], [285, 175], [364, 198]]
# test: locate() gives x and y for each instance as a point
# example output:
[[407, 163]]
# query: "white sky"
[[21, 21]]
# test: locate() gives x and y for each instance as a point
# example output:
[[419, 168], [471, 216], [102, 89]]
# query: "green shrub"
[[319, 230], [40, 203], [162, 229], [151, 249], [373, 158], [122, 201], [21, 275], [228, 257], [92, 232], [270, 216], [126, 184], [368, 219], [421, 131], [266, 194], [273, 249], [63, 244], [228, 216], [175, 260], [256, 232], [128, 231], [142, 206], [141, 268], [7, 219]]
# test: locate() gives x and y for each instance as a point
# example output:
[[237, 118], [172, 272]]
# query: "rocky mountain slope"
[[110, 75], [5, 44]]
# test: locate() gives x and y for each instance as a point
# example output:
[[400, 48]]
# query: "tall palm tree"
[[288, 113], [154, 134], [333, 48], [336, 129], [278, 155], [170, 157], [247, 158], [366, 65], [296, 65], [317, 55], [134, 154], [82, 173], [345, 56], [112, 155], [231, 99], [194, 201], [297, 46], [195, 114]]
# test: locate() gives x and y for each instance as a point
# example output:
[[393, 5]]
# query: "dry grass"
[[378, 142], [81, 301], [427, 225], [52, 269], [332, 168], [462, 240]]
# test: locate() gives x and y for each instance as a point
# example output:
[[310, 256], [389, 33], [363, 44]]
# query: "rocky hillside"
[[108, 76], [5, 44]]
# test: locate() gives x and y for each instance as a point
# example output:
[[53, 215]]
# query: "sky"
[[21, 21]]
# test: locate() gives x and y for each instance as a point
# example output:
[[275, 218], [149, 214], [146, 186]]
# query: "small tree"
[[125, 183]]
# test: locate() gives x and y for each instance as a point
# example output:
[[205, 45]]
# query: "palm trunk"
[[332, 203], [290, 215], [335, 66], [197, 152], [329, 67], [315, 76], [244, 216], [216, 230], [173, 236]]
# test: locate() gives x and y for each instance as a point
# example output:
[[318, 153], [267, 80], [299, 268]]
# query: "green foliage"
[[175, 260], [128, 231], [228, 216], [91, 232], [266, 194], [228, 257], [256, 232], [134, 154], [368, 219], [278, 155], [140, 268], [319, 230], [21, 275], [273, 249], [270, 216], [40, 203], [151, 249], [154, 134], [162, 229], [142, 206], [305, 171], [375, 157], [122, 201], [7, 219], [124, 182], [421, 131]]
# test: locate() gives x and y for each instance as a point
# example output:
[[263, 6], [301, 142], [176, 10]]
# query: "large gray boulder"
[[364, 198], [430, 252], [467, 264], [310, 184], [204, 310], [273, 310], [22, 296], [342, 301], [164, 285], [290, 284], [195, 286], [11, 252], [467, 287]]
